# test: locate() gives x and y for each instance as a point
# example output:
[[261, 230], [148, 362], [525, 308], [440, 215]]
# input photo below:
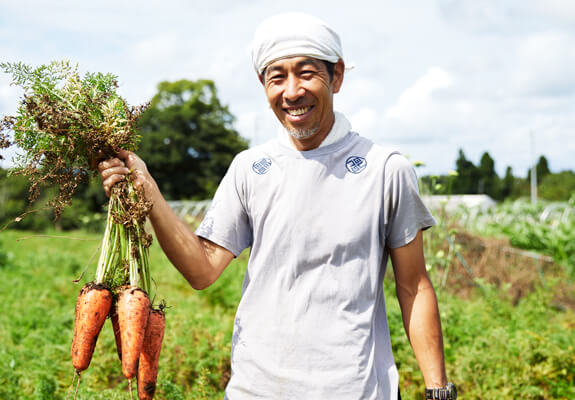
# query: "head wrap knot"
[[291, 35]]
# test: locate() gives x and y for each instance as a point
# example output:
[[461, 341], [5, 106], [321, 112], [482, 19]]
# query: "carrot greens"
[[66, 123]]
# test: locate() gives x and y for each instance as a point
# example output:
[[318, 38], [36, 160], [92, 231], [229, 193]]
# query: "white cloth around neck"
[[341, 127]]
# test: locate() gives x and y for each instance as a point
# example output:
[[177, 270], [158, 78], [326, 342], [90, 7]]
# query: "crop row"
[[542, 226]]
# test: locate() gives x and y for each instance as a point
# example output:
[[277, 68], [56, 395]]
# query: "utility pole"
[[533, 170]]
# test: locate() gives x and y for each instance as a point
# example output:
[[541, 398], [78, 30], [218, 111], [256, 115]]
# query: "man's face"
[[300, 92]]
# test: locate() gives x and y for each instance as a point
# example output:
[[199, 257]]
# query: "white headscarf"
[[294, 34]]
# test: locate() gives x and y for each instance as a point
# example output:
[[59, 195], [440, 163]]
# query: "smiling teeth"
[[298, 111]]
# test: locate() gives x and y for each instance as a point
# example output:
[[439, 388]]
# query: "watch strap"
[[445, 393]]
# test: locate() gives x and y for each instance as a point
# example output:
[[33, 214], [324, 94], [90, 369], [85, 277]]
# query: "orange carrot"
[[133, 312], [116, 328], [150, 356], [92, 308]]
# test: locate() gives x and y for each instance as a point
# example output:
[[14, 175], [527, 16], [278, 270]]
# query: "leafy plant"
[[546, 227], [64, 125]]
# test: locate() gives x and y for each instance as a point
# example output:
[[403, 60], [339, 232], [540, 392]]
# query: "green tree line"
[[483, 179], [188, 142]]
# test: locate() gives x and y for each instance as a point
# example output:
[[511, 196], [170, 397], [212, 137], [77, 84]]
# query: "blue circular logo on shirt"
[[262, 166], [355, 164]]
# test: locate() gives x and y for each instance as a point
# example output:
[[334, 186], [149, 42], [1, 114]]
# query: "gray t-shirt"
[[311, 323]]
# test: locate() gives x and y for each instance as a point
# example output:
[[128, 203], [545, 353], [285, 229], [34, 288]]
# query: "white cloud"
[[479, 16], [562, 10], [430, 77], [9, 95], [416, 103], [364, 120], [156, 49], [9, 98], [545, 64]]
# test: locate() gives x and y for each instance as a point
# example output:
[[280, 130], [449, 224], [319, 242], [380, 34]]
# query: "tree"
[[488, 180], [558, 187], [467, 178], [14, 200], [18, 213], [187, 139], [508, 184], [541, 170]]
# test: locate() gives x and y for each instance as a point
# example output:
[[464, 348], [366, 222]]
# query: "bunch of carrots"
[[120, 291], [64, 125], [138, 330]]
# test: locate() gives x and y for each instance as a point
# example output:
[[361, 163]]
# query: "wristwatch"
[[448, 392]]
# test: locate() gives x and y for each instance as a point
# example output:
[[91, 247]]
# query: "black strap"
[[436, 394]]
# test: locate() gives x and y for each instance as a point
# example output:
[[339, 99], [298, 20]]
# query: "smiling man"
[[321, 209], [300, 91]]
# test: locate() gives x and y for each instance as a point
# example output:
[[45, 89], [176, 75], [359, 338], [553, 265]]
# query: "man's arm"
[[419, 311], [200, 261]]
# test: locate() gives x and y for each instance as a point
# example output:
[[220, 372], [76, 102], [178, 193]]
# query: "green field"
[[505, 338]]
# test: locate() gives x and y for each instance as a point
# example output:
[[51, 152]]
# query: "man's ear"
[[338, 72], [261, 78]]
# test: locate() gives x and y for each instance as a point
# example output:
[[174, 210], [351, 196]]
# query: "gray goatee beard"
[[300, 134]]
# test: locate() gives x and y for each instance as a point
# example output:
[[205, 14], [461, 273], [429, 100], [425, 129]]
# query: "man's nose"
[[293, 90]]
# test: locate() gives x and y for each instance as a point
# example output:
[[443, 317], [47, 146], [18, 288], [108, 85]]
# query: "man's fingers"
[[124, 154], [132, 161], [110, 163], [116, 169], [110, 181], [111, 171]]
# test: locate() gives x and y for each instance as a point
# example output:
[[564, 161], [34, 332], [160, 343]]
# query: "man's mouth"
[[295, 112]]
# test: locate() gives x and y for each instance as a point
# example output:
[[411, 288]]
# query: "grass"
[[496, 346], [37, 290]]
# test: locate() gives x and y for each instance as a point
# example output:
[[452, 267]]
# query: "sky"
[[430, 77]]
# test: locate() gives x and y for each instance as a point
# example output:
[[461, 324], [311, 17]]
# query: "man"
[[321, 209]]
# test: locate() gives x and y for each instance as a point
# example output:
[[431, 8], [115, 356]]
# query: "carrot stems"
[[104, 252], [124, 256]]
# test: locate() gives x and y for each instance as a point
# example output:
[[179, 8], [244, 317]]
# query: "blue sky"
[[430, 76]]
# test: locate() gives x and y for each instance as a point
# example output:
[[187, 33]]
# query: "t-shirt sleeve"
[[406, 214], [226, 222]]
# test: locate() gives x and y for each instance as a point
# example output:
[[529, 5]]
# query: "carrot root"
[[77, 386], [150, 356], [133, 313], [92, 307], [117, 332]]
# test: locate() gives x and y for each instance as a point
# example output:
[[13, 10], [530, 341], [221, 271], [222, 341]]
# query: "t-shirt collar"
[[339, 130]]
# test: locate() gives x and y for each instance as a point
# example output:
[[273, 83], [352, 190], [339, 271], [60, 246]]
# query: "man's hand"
[[116, 169]]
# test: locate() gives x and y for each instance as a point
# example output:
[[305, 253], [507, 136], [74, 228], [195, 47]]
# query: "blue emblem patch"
[[355, 164], [262, 166]]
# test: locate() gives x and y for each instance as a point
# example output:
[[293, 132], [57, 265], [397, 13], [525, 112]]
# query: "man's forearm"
[[199, 261], [182, 247], [423, 327]]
